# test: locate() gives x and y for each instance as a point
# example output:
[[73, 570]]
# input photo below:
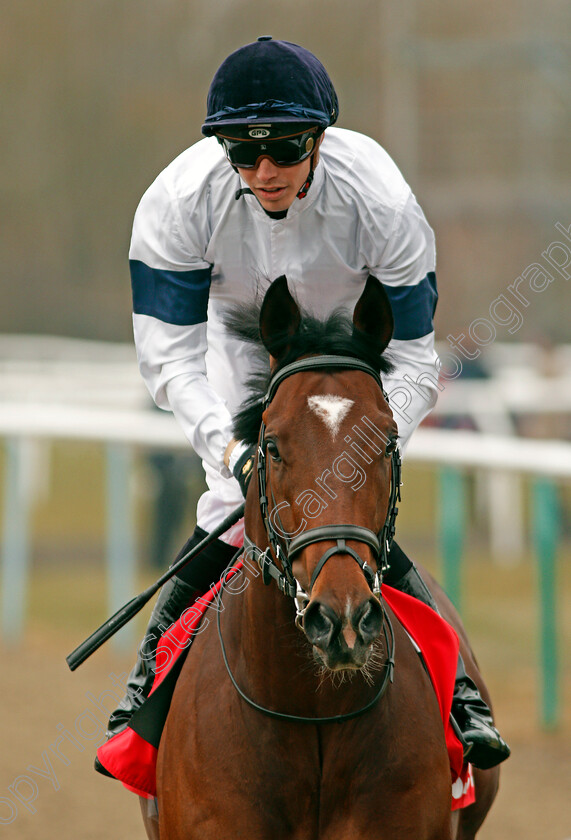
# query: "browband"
[[319, 363]]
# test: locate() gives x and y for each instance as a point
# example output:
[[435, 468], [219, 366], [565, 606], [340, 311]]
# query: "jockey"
[[274, 190]]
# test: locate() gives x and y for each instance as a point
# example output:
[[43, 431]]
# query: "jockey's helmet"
[[273, 87]]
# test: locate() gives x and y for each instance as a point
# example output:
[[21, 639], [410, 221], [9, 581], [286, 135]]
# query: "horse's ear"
[[279, 318], [373, 315]]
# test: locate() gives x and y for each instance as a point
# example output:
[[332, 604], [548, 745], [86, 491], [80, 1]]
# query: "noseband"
[[282, 548]]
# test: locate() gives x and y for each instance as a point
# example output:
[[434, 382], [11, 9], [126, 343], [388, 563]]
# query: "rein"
[[387, 678]]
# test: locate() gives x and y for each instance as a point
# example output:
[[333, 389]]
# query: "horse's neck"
[[259, 621], [264, 612], [263, 646]]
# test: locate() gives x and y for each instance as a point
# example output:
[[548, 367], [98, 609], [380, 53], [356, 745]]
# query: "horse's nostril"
[[320, 624], [369, 621]]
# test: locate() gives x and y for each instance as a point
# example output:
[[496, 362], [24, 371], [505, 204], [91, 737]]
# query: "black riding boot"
[[174, 598], [483, 745]]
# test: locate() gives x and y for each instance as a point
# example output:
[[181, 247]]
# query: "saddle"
[[131, 755]]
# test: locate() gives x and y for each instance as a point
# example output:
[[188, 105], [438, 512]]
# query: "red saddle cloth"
[[131, 755]]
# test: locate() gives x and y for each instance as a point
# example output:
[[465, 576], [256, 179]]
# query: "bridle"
[[276, 561]]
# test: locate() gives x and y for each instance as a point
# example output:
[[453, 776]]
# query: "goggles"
[[284, 151]]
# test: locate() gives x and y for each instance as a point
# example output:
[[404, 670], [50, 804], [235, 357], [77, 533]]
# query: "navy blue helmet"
[[270, 82]]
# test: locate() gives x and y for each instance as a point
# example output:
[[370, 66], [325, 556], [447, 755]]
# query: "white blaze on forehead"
[[330, 409]]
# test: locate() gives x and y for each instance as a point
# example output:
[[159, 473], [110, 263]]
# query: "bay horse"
[[334, 732]]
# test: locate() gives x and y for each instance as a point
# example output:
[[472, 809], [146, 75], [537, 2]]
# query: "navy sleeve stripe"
[[413, 307], [175, 297]]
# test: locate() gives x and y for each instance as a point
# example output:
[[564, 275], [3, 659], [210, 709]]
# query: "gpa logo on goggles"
[[259, 132]]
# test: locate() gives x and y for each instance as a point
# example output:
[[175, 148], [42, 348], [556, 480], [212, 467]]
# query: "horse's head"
[[325, 468]]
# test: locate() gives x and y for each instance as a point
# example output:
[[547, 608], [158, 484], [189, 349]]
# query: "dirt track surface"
[[44, 702]]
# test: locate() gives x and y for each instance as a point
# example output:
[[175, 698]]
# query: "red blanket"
[[131, 755]]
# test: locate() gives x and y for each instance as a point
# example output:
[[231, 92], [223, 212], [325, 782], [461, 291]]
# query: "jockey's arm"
[[170, 302], [178, 383], [407, 271], [413, 387]]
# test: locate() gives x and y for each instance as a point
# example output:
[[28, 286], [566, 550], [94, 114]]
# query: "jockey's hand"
[[244, 468]]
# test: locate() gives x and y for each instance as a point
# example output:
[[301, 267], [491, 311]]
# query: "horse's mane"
[[334, 335]]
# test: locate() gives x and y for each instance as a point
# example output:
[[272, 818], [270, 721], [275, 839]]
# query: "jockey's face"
[[275, 186]]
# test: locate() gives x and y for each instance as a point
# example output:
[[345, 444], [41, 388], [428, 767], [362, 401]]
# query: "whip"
[[132, 607]]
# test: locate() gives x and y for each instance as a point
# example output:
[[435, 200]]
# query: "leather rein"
[[275, 562]]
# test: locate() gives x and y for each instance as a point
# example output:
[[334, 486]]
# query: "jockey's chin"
[[275, 186]]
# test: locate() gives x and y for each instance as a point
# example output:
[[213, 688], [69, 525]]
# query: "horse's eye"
[[273, 450]]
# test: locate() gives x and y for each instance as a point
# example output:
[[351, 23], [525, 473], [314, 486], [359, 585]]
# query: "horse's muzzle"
[[343, 641]]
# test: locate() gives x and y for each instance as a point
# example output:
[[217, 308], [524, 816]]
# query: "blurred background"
[[98, 490]]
